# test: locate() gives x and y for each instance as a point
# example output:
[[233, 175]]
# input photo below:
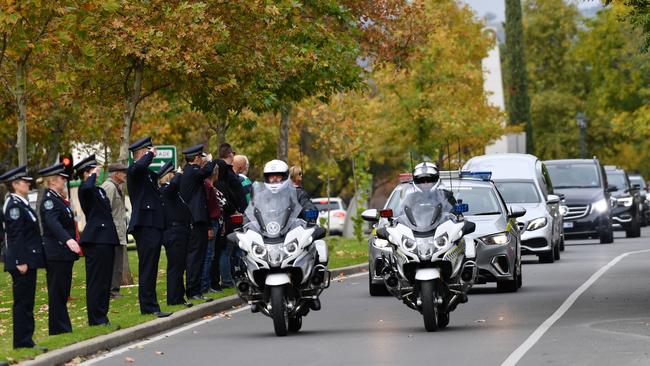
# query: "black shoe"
[[255, 308], [41, 348], [188, 304], [215, 290], [162, 314], [201, 298], [315, 305]]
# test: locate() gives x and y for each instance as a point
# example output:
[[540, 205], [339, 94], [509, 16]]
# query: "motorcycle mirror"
[[461, 207], [469, 227], [311, 214], [236, 219], [386, 214], [370, 215]]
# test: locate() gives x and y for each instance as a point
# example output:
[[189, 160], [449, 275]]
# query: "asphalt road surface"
[[590, 308]]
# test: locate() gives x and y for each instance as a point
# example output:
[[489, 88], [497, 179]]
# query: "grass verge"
[[125, 311]]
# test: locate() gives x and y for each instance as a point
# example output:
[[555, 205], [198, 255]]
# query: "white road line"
[[519, 353], [178, 330]]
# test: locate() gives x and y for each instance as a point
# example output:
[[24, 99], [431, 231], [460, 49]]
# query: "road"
[[606, 322]]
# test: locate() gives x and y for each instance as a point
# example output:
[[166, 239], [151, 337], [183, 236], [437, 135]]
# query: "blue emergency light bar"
[[478, 175]]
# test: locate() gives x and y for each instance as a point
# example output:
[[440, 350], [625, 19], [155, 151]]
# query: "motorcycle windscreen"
[[273, 212], [423, 208]]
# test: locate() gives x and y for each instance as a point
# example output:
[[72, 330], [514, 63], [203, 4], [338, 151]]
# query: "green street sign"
[[165, 153]]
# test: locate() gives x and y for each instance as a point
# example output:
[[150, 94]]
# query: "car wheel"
[[376, 289], [520, 281], [607, 237], [562, 243], [511, 285], [548, 257], [635, 229], [556, 253]]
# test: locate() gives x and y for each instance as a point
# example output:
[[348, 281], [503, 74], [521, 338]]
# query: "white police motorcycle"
[[283, 269], [430, 265]]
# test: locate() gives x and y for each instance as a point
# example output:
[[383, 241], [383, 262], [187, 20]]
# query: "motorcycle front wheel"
[[429, 310], [279, 311]]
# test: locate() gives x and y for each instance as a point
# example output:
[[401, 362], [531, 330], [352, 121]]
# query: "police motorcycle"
[[428, 261], [283, 269]]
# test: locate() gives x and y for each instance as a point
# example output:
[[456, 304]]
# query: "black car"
[[583, 183], [625, 202], [637, 179]]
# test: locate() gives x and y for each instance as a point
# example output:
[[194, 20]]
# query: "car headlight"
[[537, 223], [627, 201], [496, 239], [564, 210], [600, 206], [291, 247], [409, 244], [380, 243], [259, 250]]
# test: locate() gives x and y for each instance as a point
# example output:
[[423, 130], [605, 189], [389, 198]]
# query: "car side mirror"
[[516, 211], [370, 215], [611, 188], [469, 227], [552, 199]]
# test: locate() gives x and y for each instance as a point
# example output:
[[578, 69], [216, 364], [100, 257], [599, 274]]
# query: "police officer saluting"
[[61, 246], [147, 223], [193, 192], [97, 240], [178, 220], [24, 253]]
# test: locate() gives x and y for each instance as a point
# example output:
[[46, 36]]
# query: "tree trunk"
[[283, 139], [132, 97], [21, 108]]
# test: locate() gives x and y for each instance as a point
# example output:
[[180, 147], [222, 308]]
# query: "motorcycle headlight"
[[441, 241], [259, 250], [409, 244], [291, 248], [537, 223], [380, 243], [496, 239], [627, 201], [600, 206]]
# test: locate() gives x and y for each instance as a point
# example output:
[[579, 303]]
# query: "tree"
[[516, 75], [639, 17]]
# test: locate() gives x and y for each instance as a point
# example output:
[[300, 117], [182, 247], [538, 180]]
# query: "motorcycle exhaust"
[[243, 287], [320, 276], [468, 273], [391, 281]]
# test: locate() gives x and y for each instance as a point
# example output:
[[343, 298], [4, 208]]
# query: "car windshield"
[[574, 175], [325, 206], [481, 200], [618, 180], [638, 180], [518, 192], [423, 207], [273, 212]]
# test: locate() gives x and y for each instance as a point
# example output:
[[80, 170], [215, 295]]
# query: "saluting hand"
[[154, 151], [73, 245], [22, 268]]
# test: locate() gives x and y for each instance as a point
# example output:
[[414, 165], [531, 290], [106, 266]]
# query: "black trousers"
[[99, 271], [148, 241], [24, 291], [215, 269], [175, 242], [59, 281], [196, 248]]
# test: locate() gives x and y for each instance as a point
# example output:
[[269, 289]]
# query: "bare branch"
[[153, 90], [4, 47]]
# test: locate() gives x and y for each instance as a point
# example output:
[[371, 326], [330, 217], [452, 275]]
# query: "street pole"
[[582, 124]]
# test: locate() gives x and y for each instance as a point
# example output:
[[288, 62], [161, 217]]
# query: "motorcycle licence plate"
[[568, 225]]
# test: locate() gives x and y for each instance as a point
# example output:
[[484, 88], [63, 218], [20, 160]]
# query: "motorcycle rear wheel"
[[429, 310], [279, 311]]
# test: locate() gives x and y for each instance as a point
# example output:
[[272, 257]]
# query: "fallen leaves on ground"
[[129, 359]]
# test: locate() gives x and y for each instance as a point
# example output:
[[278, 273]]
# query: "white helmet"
[[275, 167], [426, 173]]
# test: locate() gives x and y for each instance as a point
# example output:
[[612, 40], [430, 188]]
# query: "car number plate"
[[568, 225]]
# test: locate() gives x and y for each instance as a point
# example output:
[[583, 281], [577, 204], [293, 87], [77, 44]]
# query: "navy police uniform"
[[58, 227], [146, 224], [178, 222], [193, 192], [98, 241], [23, 246]]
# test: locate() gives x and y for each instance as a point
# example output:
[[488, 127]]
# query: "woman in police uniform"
[[24, 253], [61, 247], [97, 240]]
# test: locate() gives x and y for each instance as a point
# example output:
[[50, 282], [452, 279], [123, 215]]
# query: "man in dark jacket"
[[61, 246], [98, 241], [24, 253], [147, 223], [193, 192]]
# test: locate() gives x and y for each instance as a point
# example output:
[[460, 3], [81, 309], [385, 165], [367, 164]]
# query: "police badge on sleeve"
[[14, 213], [48, 204]]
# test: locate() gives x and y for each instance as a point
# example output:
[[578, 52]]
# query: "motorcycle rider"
[[426, 175], [276, 172]]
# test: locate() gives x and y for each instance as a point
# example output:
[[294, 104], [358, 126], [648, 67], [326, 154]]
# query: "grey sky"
[[497, 7]]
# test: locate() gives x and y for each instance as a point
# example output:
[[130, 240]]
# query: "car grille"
[[576, 212]]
